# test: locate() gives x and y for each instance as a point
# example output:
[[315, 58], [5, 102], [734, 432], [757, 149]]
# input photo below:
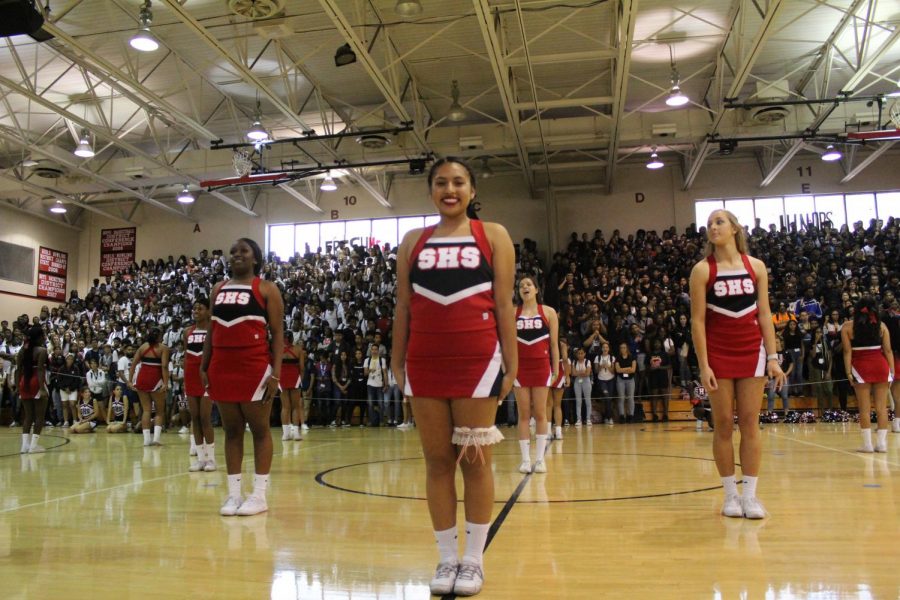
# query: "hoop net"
[[242, 163]]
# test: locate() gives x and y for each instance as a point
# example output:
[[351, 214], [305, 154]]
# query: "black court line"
[[43, 436]]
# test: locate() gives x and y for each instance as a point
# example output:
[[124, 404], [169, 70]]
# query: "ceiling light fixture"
[[257, 133], [655, 162], [486, 171], [676, 97], [455, 113], [831, 154], [408, 8], [185, 196], [58, 208], [85, 148], [144, 40], [328, 184], [344, 56]]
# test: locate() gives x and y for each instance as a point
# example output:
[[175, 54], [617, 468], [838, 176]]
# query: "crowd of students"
[[622, 300]]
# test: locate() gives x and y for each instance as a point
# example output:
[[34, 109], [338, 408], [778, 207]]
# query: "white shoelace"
[[445, 570], [467, 572]]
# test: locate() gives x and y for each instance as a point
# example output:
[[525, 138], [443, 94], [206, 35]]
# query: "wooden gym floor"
[[629, 511]]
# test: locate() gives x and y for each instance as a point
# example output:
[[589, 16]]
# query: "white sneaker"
[[540, 467], [253, 505], [525, 467], [25, 448], [590, 423], [753, 508], [444, 578], [197, 465], [36, 449], [732, 506], [295, 434], [577, 423], [285, 433], [304, 427], [231, 506], [469, 579], [879, 447], [867, 449], [895, 426], [184, 430], [209, 466], [193, 451]]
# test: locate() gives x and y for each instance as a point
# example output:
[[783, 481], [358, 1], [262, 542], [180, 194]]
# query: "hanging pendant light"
[[85, 147], [456, 112], [328, 184], [58, 208], [676, 97], [655, 162], [408, 8], [831, 154], [257, 133], [144, 40], [185, 196]]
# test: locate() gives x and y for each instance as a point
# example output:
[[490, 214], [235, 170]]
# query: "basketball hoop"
[[895, 113], [242, 163]]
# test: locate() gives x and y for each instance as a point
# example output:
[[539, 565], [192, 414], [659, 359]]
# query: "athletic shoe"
[[332, 424], [25, 448], [895, 426], [304, 427], [732, 506], [253, 505], [209, 466], [184, 430], [753, 508], [193, 451], [346, 425], [156, 443], [525, 467], [13, 424], [444, 578], [231, 506], [589, 423], [65, 425], [285, 433], [866, 449], [469, 578], [36, 449], [197, 465], [577, 423], [295, 434], [879, 447], [540, 467]]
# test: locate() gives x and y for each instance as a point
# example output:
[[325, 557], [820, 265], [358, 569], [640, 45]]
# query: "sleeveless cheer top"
[[533, 335], [151, 364], [240, 312], [452, 283], [193, 353]]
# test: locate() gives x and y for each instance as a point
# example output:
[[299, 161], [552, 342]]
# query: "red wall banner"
[[117, 249], [53, 265]]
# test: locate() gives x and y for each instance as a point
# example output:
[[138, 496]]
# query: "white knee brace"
[[469, 437]]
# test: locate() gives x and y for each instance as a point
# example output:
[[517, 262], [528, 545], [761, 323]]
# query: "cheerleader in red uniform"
[[558, 387], [31, 364], [454, 327], [293, 364], [241, 369], [537, 332], [203, 439], [869, 361], [149, 376], [734, 339]]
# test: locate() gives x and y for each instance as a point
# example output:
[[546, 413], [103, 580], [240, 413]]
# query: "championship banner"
[[53, 265], [117, 249]]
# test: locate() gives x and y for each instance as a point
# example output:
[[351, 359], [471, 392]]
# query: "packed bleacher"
[[619, 296]]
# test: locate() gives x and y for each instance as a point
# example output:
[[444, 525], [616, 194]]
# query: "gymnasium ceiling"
[[558, 93]]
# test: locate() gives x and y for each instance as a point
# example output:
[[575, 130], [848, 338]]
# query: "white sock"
[[867, 437], [210, 452], [525, 447], [157, 432], [34, 440], [146, 437], [750, 486], [882, 437], [730, 485], [540, 446], [448, 548], [234, 485], [201, 453], [26, 441], [260, 485], [476, 538], [558, 431], [285, 432], [194, 447]]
